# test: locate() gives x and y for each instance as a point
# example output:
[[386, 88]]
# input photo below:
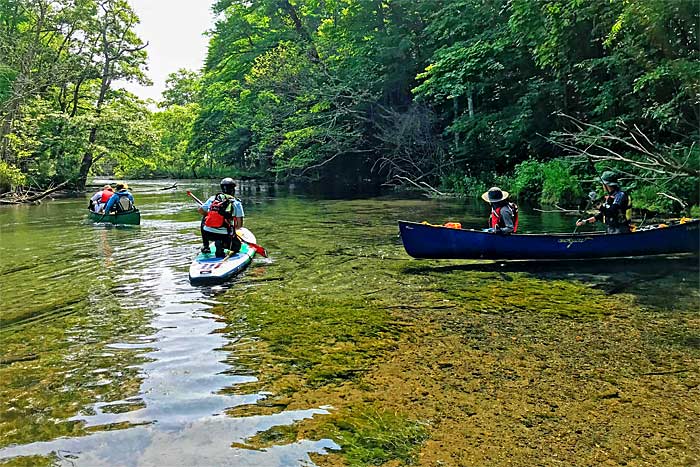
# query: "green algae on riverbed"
[[324, 332]]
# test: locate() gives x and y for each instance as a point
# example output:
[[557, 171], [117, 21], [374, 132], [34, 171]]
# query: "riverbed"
[[338, 349]]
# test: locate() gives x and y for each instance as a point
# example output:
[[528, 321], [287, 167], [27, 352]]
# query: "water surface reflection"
[[135, 353]]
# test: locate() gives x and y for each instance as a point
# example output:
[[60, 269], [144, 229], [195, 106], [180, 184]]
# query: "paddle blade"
[[258, 249]]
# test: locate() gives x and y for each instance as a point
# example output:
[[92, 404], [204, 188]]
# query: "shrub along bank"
[[563, 183]]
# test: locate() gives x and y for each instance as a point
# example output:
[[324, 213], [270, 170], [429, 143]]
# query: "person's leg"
[[205, 240], [222, 242], [235, 244]]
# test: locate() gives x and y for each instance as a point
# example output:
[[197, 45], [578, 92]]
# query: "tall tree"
[[121, 55]]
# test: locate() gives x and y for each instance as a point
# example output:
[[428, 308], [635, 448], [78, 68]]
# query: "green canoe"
[[132, 217]]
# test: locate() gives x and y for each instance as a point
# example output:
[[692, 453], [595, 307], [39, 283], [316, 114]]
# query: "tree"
[[120, 53], [58, 62], [181, 88]]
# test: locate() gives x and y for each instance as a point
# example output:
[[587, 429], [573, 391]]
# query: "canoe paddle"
[[592, 197], [258, 249]]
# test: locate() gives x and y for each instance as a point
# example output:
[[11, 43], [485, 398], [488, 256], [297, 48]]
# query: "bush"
[[551, 182], [528, 180], [473, 186], [10, 177], [559, 184], [646, 195]]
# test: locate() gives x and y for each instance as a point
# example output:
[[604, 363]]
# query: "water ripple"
[[139, 350]]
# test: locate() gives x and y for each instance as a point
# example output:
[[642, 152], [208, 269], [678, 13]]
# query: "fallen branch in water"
[[422, 186], [173, 187], [558, 210], [31, 197]]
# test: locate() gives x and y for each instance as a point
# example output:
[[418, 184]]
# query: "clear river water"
[[108, 356]]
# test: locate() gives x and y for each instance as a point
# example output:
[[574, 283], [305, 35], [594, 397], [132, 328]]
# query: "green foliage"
[[427, 91], [653, 197], [161, 150], [559, 184], [374, 437], [547, 182], [7, 77], [528, 180], [474, 187], [10, 177], [181, 88], [67, 114]]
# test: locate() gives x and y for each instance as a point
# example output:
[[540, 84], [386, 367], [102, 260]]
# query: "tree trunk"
[[88, 158], [86, 163]]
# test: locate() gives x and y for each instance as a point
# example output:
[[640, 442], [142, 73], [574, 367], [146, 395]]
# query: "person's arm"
[[591, 220], [204, 208], [507, 217], [96, 197], [111, 202], [238, 215]]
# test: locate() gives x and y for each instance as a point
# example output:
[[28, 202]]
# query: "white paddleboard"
[[208, 269]]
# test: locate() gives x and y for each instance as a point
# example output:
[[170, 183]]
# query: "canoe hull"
[[210, 270], [126, 218], [437, 242]]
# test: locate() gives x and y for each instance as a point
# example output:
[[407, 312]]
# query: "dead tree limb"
[[23, 198]]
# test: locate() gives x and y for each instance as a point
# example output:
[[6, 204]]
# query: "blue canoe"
[[438, 242]]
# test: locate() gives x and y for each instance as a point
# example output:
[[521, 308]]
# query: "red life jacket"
[[219, 214], [495, 219], [106, 194]]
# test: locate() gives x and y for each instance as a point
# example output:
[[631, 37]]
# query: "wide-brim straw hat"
[[495, 195]]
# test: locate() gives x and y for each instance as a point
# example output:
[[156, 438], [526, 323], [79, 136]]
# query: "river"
[[110, 357]]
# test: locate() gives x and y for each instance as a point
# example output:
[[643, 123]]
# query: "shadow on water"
[[652, 280], [650, 265]]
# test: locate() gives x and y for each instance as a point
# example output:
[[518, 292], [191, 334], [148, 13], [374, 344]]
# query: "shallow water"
[[110, 357]]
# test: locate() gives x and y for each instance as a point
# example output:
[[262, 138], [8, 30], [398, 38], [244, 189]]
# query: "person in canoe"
[[504, 213], [99, 199], [121, 200], [616, 210], [223, 214]]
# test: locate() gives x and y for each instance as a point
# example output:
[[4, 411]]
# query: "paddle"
[[258, 249], [592, 196]]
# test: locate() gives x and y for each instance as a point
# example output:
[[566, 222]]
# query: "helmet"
[[228, 186], [610, 178]]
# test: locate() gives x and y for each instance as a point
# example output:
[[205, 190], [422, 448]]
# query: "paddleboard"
[[208, 269]]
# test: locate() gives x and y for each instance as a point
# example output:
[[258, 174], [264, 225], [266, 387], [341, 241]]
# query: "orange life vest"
[[106, 194], [495, 219], [219, 214]]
